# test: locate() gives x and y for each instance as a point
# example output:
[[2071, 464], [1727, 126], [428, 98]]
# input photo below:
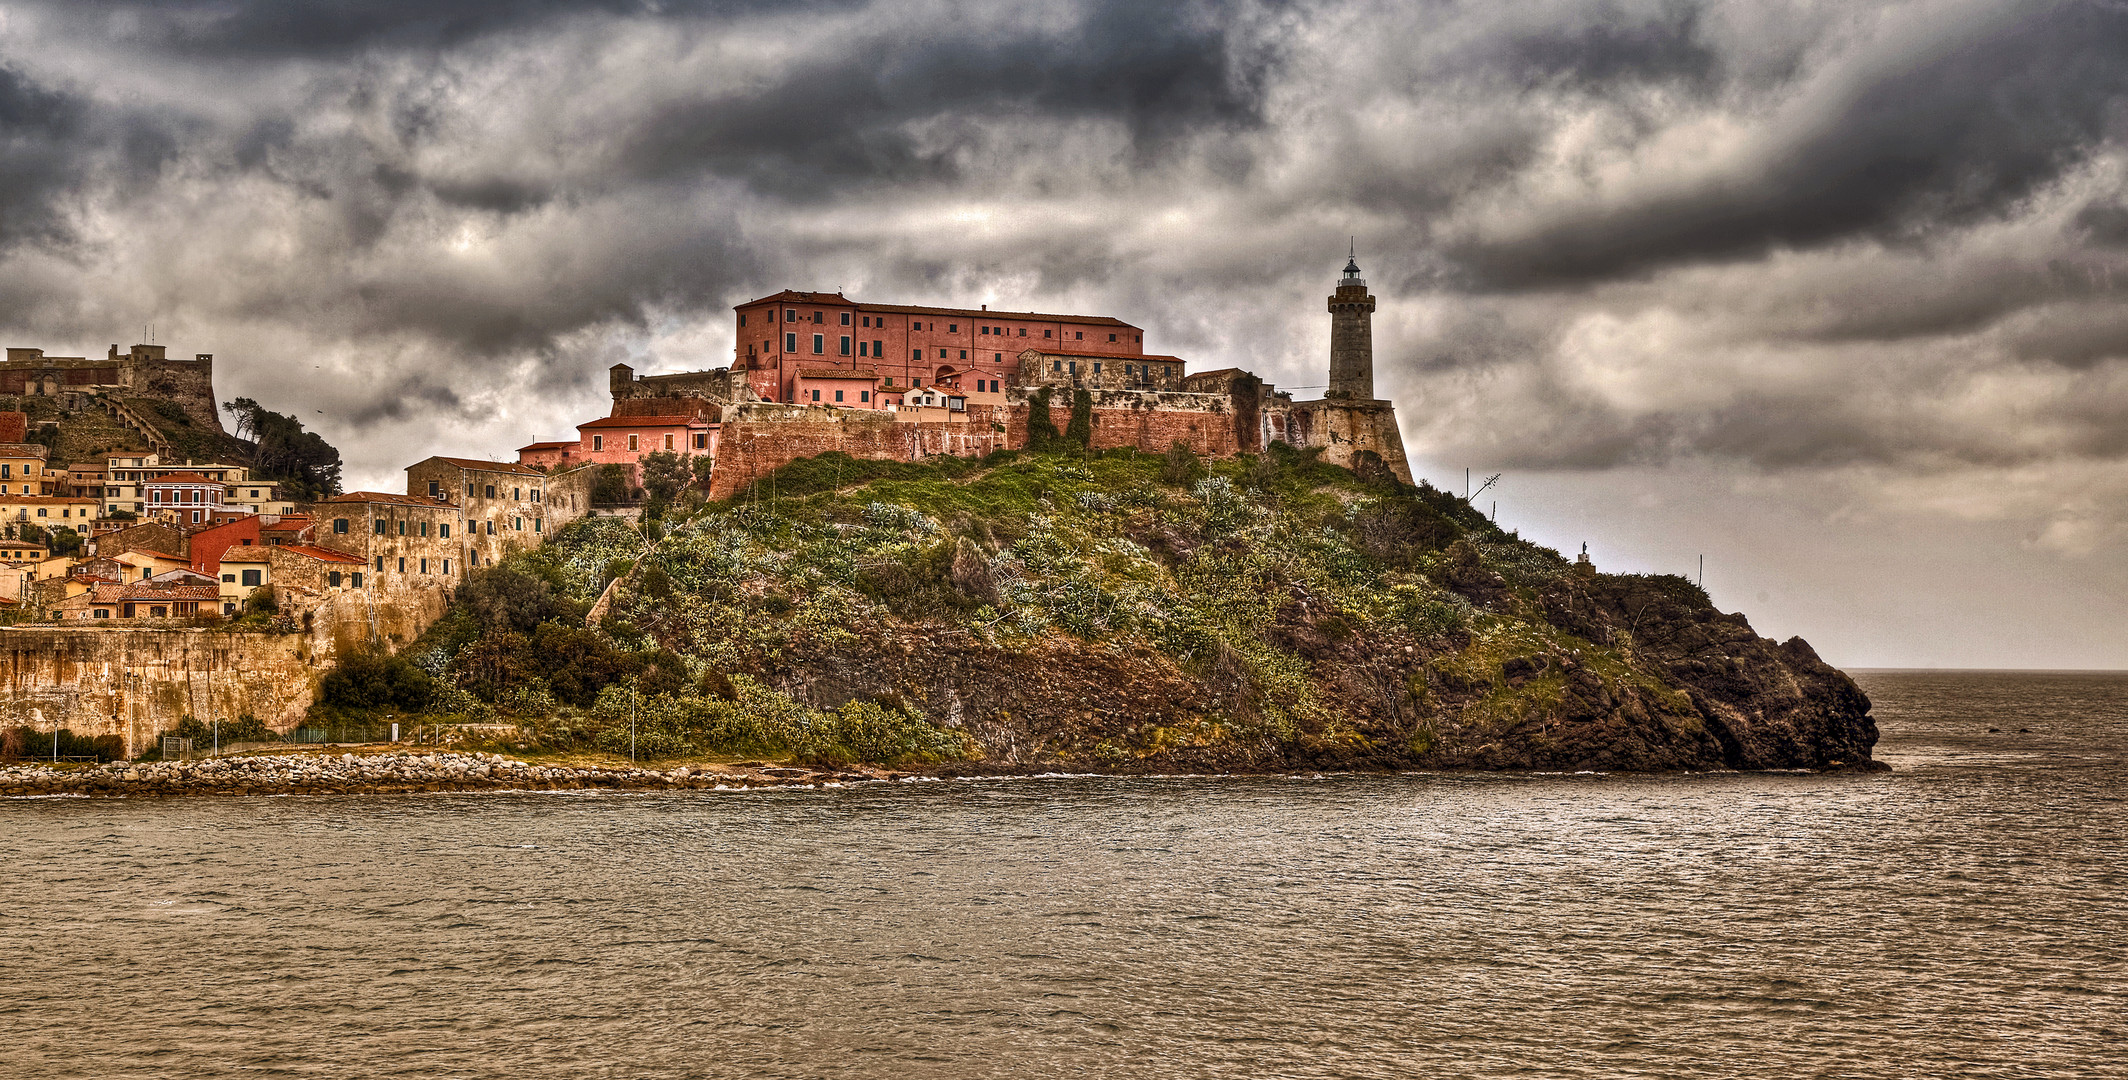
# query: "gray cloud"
[[1790, 240]]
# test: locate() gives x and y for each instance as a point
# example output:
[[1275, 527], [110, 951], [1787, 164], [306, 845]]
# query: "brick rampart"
[[758, 439]]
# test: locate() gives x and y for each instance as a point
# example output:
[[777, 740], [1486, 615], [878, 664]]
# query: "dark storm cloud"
[[323, 29], [1611, 46], [842, 119], [41, 156], [1955, 136]]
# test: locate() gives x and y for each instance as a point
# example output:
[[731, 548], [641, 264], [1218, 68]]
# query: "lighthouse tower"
[[1351, 336]]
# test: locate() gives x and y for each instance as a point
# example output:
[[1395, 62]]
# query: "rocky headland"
[[1106, 612]]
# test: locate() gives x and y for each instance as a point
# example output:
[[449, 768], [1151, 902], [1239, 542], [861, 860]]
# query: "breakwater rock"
[[347, 774]]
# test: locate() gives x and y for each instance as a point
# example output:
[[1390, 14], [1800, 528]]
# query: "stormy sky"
[[1828, 292]]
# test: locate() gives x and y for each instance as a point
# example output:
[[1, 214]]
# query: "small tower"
[[1351, 336]]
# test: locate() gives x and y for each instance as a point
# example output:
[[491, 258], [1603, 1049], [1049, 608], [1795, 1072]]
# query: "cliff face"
[[1132, 613]]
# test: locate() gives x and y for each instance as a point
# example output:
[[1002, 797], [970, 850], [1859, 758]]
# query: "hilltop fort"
[[816, 372]]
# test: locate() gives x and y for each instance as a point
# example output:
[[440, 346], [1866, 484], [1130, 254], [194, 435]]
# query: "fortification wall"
[[1343, 428], [1150, 421], [138, 683], [759, 438]]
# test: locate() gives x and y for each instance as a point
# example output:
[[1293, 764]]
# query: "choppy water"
[[1966, 915]]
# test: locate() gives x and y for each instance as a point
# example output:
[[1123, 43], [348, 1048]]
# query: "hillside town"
[[111, 518]]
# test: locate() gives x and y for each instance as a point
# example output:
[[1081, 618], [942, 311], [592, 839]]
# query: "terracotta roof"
[[641, 421], [321, 554], [183, 478], [153, 554], [837, 373], [789, 297], [151, 591], [242, 553], [1147, 358], [485, 466], [386, 497], [549, 445]]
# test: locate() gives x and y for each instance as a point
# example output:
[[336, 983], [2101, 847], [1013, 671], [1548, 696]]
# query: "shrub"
[[370, 678], [1182, 465], [1080, 430]]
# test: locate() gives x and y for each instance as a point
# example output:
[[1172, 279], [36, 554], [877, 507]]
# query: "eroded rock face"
[[1767, 705], [1640, 675]]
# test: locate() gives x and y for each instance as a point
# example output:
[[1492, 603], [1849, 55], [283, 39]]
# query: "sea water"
[[1965, 915]]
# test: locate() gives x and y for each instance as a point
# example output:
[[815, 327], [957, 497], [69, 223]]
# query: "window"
[[332, 579], [865, 321], [890, 380], [668, 441], [838, 395], [535, 495], [1167, 369], [942, 354], [816, 395], [598, 442], [953, 328], [916, 354], [701, 441], [251, 577], [1045, 333], [997, 358], [877, 346], [435, 489], [1082, 335], [380, 564], [790, 314], [845, 344], [1111, 337], [446, 568], [860, 348], [443, 531], [817, 317], [1023, 331], [632, 443], [402, 564], [490, 490], [916, 326], [491, 528], [230, 579], [742, 318], [103, 613], [469, 489], [820, 344], [1074, 367], [964, 354], [864, 395], [535, 524], [1097, 367], [1056, 365], [845, 318], [355, 580], [790, 343], [380, 527], [402, 528], [424, 528], [520, 524], [424, 566]]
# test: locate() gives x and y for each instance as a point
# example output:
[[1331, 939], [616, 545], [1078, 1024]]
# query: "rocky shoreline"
[[392, 773], [443, 771]]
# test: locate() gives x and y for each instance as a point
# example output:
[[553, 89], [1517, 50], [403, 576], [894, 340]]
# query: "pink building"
[[909, 347], [623, 440]]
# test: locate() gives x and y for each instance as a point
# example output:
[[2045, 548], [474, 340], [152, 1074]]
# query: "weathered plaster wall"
[[138, 683]]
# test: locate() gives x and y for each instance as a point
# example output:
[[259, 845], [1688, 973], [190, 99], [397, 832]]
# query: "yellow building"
[[22, 469]]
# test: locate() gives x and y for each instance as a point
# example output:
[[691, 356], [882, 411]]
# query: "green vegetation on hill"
[[1115, 610]]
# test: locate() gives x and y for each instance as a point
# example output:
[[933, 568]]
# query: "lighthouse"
[[1351, 336]]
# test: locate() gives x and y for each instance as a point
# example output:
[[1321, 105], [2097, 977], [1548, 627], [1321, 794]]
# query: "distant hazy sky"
[[1826, 291]]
